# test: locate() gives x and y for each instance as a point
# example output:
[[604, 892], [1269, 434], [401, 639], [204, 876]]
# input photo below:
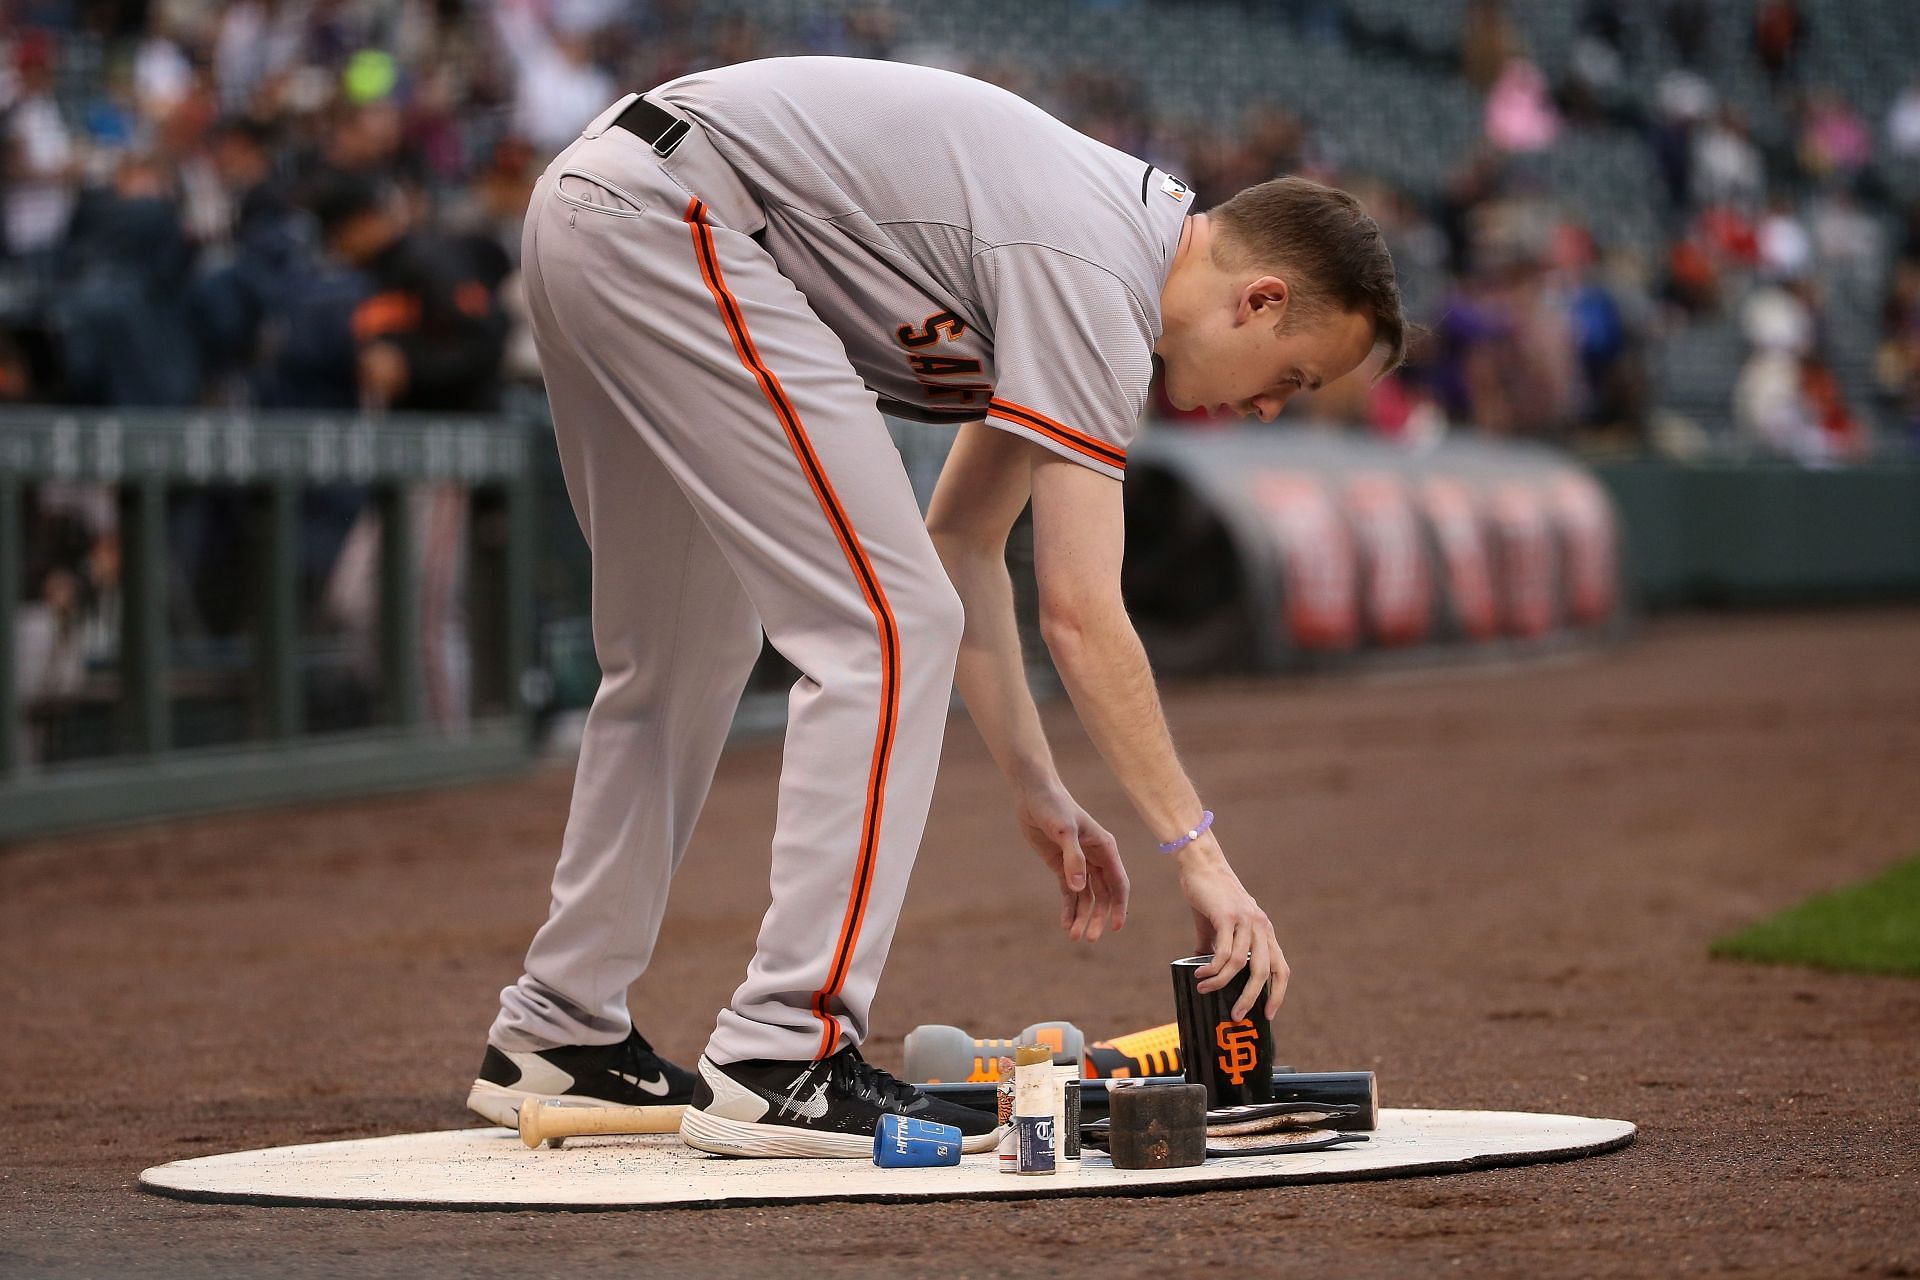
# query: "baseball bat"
[[1334, 1088], [547, 1120]]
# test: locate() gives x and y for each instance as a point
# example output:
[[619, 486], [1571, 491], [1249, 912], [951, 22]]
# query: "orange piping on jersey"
[[1079, 441], [869, 582]]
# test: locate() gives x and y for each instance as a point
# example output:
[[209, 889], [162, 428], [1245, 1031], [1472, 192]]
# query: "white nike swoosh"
[[656, 1086], [813, 1108]]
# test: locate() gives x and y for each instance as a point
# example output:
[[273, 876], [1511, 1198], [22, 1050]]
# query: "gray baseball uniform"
[[720, 330]]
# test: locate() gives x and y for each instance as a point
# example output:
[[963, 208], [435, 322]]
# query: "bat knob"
[[530, 1133]]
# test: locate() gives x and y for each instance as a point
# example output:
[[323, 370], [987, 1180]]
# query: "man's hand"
[[1230, 924], [1084, 858]]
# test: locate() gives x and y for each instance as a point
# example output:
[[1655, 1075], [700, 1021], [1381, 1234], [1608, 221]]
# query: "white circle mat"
[[491, 1169]]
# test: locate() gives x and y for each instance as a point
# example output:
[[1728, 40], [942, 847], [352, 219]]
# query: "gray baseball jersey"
[[976, 256]]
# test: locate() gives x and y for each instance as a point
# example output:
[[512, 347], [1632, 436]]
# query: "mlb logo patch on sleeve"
[[1175, 188]]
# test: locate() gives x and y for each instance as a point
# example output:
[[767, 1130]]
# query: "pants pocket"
[[585, 190]]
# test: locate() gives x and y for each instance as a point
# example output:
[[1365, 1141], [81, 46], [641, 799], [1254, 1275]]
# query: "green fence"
[[207, 611], [1760, 533]]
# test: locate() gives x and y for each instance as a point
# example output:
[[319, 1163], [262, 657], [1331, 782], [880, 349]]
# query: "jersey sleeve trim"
[[1052, 445], [1098, 450]]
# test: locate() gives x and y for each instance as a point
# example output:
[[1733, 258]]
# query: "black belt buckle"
[[653, 126]]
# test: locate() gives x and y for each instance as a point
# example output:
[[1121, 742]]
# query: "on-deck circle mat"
[[491, 1169]]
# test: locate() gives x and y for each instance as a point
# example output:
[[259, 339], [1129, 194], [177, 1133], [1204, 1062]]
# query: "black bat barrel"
[[1331, 1088]]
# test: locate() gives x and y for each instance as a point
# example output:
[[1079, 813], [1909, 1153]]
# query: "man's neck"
[[1190, 255]]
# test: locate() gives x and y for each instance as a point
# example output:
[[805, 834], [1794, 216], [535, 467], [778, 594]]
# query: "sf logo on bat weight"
[[1239, 1048]]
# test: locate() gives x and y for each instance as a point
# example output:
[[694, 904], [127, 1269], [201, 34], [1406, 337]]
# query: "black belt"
[[653, 126]]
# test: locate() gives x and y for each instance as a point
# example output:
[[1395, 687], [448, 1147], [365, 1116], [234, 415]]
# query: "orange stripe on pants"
[[876, 598]]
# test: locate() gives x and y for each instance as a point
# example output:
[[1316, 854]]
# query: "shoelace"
[[852, 1074], [637, 1054]]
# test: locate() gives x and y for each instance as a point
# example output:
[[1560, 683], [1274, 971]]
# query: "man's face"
[[1234, 362]]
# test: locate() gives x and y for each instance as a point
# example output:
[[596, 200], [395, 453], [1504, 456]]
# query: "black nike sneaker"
[[830, 1108], [627, 1073]]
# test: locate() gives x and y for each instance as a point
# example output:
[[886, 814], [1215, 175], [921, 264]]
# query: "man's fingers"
[[1258, 966], [1096, 896], [1277, 991], [1073, 863], [1231, 938], [1082, 913], [1117, 893], [1115, 888], [1210, 941]]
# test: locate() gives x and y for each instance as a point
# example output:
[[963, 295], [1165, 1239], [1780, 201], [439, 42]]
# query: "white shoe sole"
[[705, 1131], [501, 1105]]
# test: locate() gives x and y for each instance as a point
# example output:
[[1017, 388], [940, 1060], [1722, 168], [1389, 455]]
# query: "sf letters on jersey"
[[946, 379]]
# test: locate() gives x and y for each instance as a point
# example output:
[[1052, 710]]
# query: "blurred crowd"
[[1543, 324], [316, 204]]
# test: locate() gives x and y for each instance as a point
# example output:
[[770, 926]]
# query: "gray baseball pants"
[[731, 472]]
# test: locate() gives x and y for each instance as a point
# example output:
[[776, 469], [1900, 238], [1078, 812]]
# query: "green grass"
[[1869, 928]]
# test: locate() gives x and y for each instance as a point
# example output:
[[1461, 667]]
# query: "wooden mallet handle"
[[544, 1120]]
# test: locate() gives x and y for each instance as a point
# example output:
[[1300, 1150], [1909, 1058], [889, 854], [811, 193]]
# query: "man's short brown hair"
[[1323, 236]]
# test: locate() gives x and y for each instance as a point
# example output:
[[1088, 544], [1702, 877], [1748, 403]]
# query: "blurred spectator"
[[1597, 61], [307, 299], [40, 159], [429, 331], [1834, 140], [1726, 166], [1519, 116], [1847, 241], [1786, 401], [1692, 281], [1488, 41], [162, 75], [1683, 100], [558, 89], [1609, 315], [1731, 241], [123, 309], [1769, 408], [1903, 124], [69, 621], [1504, 354], [258, 41], [252, 280], [1786, 248], [1779, 31]]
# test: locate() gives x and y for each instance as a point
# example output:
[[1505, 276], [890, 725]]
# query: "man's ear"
[[1263, 299]]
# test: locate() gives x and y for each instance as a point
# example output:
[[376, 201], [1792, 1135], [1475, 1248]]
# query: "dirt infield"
[[1495, 889]]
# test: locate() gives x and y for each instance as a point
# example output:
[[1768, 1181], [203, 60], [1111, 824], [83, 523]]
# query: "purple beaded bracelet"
[[1175, 846]]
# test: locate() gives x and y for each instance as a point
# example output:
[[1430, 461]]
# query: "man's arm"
[[983, 489], [1079, 541]]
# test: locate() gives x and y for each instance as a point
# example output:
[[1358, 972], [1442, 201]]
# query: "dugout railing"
[[165, 577]]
